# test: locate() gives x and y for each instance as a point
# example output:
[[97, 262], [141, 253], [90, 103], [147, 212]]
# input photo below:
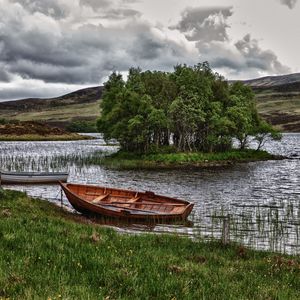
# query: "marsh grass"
[[49, 253], [49, 163], [271, 227]]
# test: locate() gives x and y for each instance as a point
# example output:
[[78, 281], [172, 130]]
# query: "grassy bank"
[[47, 253], [36, 137], [125, 160]]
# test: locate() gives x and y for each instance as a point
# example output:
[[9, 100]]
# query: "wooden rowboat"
[[125, 204], [33, 177]]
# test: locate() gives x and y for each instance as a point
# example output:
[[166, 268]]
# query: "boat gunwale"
[[34, 174], [125, 190], [122, 211]]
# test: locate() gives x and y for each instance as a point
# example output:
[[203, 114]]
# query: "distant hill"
[[291, 80], [87, 95], [278, 101], [60, 111]]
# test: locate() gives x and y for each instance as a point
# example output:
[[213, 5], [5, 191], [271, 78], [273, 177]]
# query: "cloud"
[[243, 57], [290, 3], [82, 43], [78, 43], [95, 4], [255, 57], [4, 76], [38, 46], [48, 7], [121, 13], [205, 24], [208, 29], [30, 88]]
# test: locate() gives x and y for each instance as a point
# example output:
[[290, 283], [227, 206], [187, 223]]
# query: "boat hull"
[[127, 213], [32, 177]]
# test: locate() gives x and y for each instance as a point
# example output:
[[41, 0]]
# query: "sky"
[[52, 47]]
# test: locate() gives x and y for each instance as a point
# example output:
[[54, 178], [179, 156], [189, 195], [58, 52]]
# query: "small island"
[[34, 131], [184, 160], [186, 118]]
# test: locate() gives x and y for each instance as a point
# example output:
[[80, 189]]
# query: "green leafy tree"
[[193, 106], [242, 113], [265, 132]]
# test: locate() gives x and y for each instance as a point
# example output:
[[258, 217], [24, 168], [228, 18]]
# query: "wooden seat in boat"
[[132, 200], [100, 198]]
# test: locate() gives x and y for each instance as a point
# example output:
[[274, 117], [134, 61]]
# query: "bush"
[[3, 121], [82, 126]]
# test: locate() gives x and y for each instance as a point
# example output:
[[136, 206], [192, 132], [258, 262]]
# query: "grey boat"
[[33, 177]]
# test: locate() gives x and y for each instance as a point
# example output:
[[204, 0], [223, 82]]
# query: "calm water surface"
[[262, 198]]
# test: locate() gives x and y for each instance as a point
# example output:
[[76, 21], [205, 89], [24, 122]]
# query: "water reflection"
[[262, 198]]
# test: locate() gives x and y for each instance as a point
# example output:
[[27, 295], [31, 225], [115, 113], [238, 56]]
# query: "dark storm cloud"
[[244, 56], [208, 28], [205, 24], [290, 3], [64, 42], [4, 75], [255, 57], [42, 47]]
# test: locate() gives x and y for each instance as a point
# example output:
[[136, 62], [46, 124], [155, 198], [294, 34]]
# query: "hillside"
[[278, 101], [274, 81], [79, 105]]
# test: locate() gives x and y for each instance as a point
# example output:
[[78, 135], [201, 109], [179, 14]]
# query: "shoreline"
[[196, 160], [68, 249]]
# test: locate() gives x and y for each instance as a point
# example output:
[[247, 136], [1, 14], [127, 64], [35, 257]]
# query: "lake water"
[[262, 198]]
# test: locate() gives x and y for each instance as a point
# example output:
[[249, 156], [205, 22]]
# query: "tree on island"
[[193, 108]]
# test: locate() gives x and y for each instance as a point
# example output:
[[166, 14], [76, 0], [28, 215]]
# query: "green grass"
[[36, 137], [48, 253], [268, 106], [283, 112], [127, 160], [57, 114]]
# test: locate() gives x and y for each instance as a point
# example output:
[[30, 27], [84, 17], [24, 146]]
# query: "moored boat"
[[33, 177], [125, 204]]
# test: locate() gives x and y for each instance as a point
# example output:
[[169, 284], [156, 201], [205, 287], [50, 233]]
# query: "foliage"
[[264, 132], [191, 108], [3, 121], [82, 126]]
